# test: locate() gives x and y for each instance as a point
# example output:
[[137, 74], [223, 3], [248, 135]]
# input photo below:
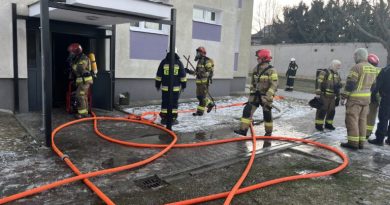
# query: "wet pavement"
[[186, 173]]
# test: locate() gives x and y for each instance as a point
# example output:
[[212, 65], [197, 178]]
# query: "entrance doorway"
[[61, 68], [92, 39]]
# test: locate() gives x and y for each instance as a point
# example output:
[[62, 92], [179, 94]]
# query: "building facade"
[[129, 63]]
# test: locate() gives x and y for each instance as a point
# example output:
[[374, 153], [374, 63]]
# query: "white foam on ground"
[[223, 117]]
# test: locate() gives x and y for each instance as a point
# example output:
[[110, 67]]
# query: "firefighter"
[[383, 88], [374, 104], [81, 69], [328, 91], [290, 75], [204, 74], [162, 82], [264, 84], [357, 95]]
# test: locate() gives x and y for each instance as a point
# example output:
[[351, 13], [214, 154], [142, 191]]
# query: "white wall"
[[6, 62], [221, 52], [309, 60]]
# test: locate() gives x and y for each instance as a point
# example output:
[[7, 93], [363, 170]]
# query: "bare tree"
[[268, 11], [381, 19]]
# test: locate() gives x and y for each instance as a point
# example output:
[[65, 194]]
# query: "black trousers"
[[383, 128], [290, 81], [165, 102]]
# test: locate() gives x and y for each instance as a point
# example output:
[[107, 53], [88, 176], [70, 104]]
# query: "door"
[[102, 89], [34, 70]]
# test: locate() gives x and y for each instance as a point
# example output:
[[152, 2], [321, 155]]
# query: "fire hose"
[[237, 189]]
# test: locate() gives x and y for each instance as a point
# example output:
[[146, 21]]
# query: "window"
[[204, 15], [149, 27]]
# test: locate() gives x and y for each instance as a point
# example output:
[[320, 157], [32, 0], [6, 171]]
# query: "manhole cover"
[[152, 182]]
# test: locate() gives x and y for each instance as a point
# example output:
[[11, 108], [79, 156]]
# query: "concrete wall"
[[309, 60], [6, 62]]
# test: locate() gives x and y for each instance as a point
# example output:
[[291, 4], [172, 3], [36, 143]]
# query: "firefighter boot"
[[267, 143], [197, 113], [210, 107], [376, 142], [329, 126], [163, 121], [387, 141], [319, 127], [350, 146], [241, 132]]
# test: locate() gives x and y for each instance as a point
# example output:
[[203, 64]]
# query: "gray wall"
[[309, 60], [7, 95]]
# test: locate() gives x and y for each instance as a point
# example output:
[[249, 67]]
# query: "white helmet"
[[292, 59]]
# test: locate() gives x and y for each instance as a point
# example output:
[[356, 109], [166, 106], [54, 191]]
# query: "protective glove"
[[337, 101], [374, 98], [183, 86], [189, 71]]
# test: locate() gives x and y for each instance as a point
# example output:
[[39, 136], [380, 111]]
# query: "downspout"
[[15, 58]]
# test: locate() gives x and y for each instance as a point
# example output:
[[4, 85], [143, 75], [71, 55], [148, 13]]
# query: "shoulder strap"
[[265, 70]]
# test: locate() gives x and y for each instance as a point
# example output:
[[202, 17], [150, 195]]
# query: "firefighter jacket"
[[264, 83], [292, 70], [179, 75], [359, 82], [383, 83], [81, 68], [328, 83], [204, 70]]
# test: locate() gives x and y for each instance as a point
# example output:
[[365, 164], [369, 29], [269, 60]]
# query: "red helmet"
[[264, 55], [373, 59], [201, 50], [75, 48]]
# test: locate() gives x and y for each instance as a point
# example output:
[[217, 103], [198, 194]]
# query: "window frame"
[[142, 28], [217, 15]]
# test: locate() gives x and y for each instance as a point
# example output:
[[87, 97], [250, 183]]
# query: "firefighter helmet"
[[201, 50], [264, 55], [373, 59], [75, 48], [316, 103], [292, 59]]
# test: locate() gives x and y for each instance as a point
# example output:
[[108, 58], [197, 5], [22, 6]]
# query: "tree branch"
[[358, 26]]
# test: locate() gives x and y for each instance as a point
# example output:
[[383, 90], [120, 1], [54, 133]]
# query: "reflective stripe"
[[183, 79], [264, 77], [321, 122], [353, 73], [158, 78], [209, 64], [82, 111], [353, 138], [360, 95], [82, 93], [369, 127], [175, 88], [86, 79], [291, 76], [201, 108], [269, 124], [274, 76], [165, 111], [203, 80], [362, 138], [329, 122], [175, 69], [246, 120]]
